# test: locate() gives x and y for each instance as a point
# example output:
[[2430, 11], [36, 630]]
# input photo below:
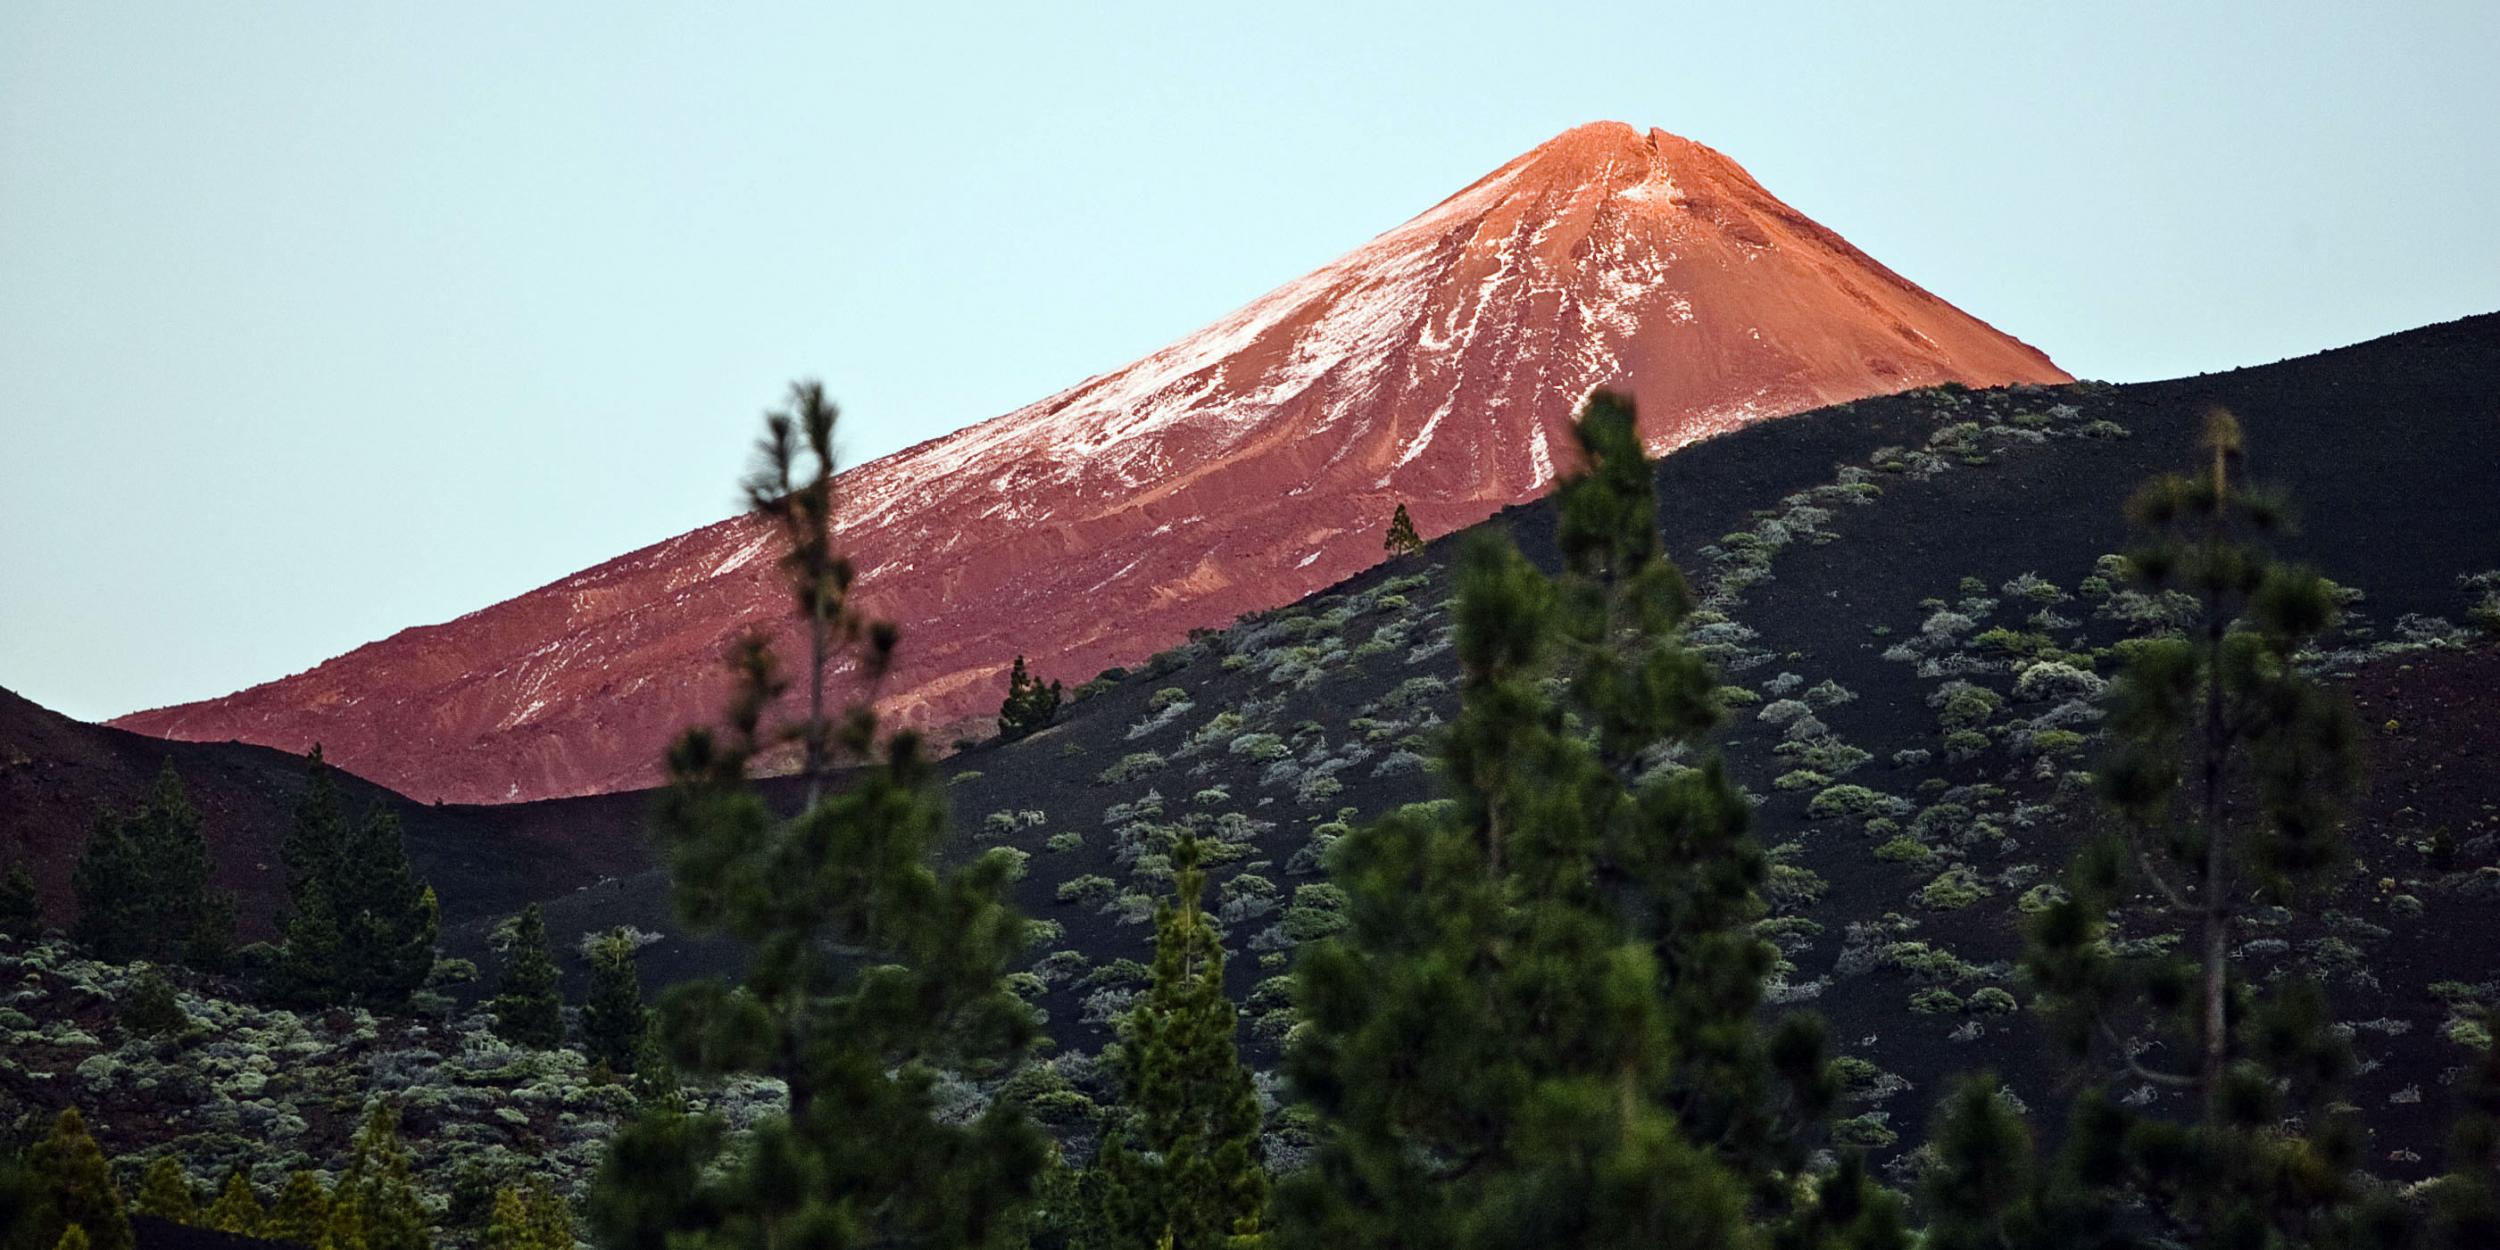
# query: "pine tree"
[[1494, 1041], [78, 1187], [652, 1191], [549, 1218], [73, 1238], [313, 957], [152, 1010], [1986, 1188], [614, 1021], [2227, 769], [1186, 1169], [1402, 539], [655, 1076], [110, 881], [2465, 1207], [21, 904], [1031, 704], [165, 1192], [301, 1215], [23, 1216], [509, 1227], [376, 1200], [362, 926], [870, 970], [1674, 842], [317, 837], [237, 1209], [388, 918], [529, 1005], [312, 954], [143, 885]]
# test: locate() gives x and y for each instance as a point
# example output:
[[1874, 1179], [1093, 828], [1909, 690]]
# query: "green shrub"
[[1793, 885], [1928, 963], [1064, 842], [1132, 766], [1260, 747], [1953, 889], [1969, 705], [1801, 779], [1865, 1132], [1093, 887], [1903, 850], [1828, 756], [2040, 898], [1318, 911], [1856, 801], [1936, 1000], [1992, 1002], [2011, 641]]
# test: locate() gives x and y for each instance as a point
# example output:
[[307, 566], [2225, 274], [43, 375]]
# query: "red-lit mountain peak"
[[1242, 467]]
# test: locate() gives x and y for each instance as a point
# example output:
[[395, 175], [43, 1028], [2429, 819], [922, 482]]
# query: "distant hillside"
[[1854, 561], [55, 772], [1871, 575]]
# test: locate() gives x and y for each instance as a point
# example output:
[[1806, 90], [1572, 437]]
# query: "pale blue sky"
[[318, 321]]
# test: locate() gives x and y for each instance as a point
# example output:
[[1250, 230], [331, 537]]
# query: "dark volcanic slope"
[[54, 772], [1272, 733]]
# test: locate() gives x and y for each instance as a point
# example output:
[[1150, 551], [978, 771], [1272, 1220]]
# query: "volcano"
[[1245, 466]]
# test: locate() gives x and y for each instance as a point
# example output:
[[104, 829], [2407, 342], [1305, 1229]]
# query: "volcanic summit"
[[1240, 468]]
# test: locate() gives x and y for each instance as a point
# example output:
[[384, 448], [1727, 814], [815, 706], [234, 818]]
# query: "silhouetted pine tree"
[[1183, 1170], [652, 1191], [375, 1203], [1985, 1188], [143, 885], [21, 904], [1031, 704], [390, 918], [301, 1214], [165, 1192], [1547, 983], [508, 1227], [76, 1188], [550, 1217], [362, 927], [870, 971], [2465, 1208], [614, 1021], [152, 1010], [237, 1209], [529, 998], [2226, 769], [1672, 844], [312, 952], [1402, 539], [317, 836], [530, 1217], [313, 957]]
